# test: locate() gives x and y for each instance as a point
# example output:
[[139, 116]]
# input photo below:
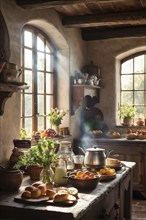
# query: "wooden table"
[[112, 199]]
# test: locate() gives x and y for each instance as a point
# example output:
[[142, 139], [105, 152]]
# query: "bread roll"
[[49, 185], [50, 193], [43, 189], [30, 188], [36, 193], [60, 197], [26, 195]]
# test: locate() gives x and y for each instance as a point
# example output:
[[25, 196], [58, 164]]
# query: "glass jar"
[[65, 152], [60, 173]]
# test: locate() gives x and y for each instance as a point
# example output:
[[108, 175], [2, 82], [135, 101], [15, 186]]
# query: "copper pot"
[[10, 179]]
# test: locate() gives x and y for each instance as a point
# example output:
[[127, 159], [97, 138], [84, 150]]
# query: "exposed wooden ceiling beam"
[[35, 4], [108, 19], [122, 32]]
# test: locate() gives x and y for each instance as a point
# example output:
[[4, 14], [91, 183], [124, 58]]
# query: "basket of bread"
[[46, 192]]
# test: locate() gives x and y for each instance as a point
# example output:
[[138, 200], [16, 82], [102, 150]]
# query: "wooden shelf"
[[6, 91]]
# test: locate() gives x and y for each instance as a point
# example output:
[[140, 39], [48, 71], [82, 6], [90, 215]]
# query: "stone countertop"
[[10, 208]]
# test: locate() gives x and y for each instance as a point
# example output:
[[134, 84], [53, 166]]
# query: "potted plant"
[[40, 157], [55, 116], [127, 113]]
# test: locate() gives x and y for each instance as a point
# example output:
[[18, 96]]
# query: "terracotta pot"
[[34, 172], [10, 179]]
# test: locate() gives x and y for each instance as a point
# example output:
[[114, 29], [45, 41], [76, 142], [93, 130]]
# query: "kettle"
[[95, 158]]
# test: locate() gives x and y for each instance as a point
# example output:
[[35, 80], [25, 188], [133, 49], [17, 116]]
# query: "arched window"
[[38, 56], [133, 83]]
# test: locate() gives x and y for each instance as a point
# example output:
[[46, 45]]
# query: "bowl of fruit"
[[84, 180]]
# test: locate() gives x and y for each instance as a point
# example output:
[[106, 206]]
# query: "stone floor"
[[139, 206], [139, 209]]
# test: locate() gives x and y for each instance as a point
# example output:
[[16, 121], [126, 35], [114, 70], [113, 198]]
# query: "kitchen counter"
[[111, 198]]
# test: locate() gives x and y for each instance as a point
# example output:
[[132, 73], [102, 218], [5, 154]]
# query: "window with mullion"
[[37, 65], [133, 83]]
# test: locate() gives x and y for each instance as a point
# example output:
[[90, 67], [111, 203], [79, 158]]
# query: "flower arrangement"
[[55, 116]]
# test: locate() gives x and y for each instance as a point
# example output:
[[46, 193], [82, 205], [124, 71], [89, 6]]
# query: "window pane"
[[41, 104], [127, 67], [48, 63], [139, 64], [40, 43], [49, 103], [28, 39], [28, 79], [40, 123], [28, 126], [139, 82], [127, 82], [40, 65], [139, 97], [27, 58], [126, 97], [49, 83], [28, 105], [40, 82], [140, 111]]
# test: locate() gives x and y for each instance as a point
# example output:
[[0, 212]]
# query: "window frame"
[[34, 117], [133, 90]]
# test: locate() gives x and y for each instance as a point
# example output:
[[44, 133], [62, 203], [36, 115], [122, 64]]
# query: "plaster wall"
[[107, 54], [71, 57]]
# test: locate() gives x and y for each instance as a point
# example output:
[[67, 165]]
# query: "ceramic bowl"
[[84, 184]]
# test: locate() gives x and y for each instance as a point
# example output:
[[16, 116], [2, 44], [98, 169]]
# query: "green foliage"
[[127, 111], [43, 153]]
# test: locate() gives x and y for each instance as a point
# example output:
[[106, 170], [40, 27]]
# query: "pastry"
[[113, 162]]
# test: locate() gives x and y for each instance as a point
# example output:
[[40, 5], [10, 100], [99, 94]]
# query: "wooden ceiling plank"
[[52, 3], [120, 18], [111, 33]]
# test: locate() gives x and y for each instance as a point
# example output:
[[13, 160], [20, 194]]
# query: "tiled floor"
[[139, 209]]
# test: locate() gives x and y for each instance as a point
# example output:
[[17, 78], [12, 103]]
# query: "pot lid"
[[95, 149]]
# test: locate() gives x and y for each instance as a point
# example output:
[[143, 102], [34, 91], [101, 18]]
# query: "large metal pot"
[[95, 158]]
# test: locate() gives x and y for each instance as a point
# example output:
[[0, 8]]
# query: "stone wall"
[[71, 57]]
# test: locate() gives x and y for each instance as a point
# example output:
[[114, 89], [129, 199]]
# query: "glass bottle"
[[60, 175], [65, 152]]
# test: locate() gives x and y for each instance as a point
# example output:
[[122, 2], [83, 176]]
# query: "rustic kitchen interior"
[[92, 39]]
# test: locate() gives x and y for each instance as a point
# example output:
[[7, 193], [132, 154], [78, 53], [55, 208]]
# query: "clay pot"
[[10, 179], [34, 172]]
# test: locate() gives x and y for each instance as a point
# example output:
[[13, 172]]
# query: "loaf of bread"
[[73, 191], [60, 197]]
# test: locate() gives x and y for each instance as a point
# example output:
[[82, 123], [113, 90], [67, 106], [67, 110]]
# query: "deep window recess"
[[38, 72], [133, 83]]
